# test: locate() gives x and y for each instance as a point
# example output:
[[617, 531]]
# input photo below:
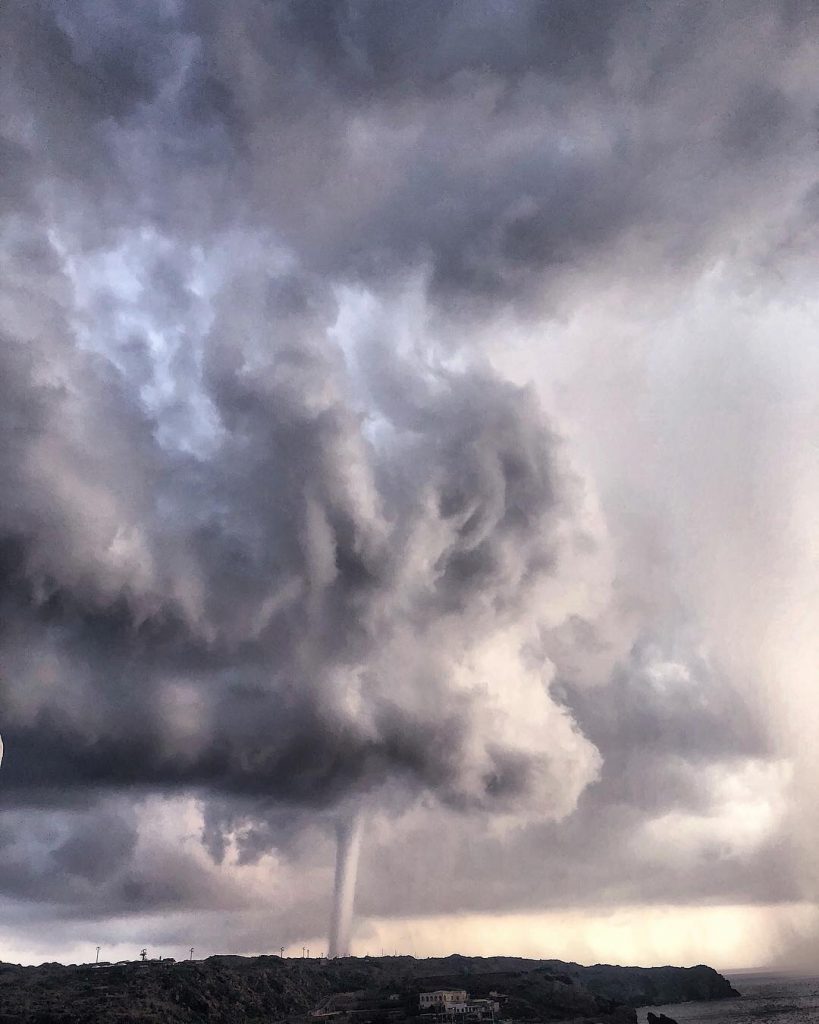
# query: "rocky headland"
[[368, 990]]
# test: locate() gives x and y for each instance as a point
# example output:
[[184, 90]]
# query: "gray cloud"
[[276, 112], [207, 618], [261, 544], [665, 730]]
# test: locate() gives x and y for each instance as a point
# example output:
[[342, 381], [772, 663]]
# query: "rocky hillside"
[[241, 990], [633, 986], [651, 986]]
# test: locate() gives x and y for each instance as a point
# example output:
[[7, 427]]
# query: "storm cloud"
[[390, 415]]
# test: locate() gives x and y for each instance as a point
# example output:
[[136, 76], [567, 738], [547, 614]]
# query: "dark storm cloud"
[[497, 142], [92, 863], [537, 145], [268, 576], [241, 560], [366, 48]]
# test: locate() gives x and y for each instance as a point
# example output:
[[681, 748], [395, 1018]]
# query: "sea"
[[781, 998]]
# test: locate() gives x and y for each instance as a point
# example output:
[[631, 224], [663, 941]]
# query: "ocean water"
[[781, 998]]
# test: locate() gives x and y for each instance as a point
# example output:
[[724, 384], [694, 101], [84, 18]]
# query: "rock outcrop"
[[653, 986]]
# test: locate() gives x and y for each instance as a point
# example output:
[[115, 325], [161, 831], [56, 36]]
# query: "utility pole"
[[98, 955]]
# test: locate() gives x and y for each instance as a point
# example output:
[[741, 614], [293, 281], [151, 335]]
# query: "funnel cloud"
[[348, 834]]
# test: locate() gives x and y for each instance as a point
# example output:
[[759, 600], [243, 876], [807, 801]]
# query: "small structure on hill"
[[441, 999], [455, 1004]]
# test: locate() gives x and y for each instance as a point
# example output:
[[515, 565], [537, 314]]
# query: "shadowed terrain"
[[241, 990]]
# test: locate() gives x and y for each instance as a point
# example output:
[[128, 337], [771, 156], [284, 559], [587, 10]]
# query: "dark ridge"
[[371, 990]]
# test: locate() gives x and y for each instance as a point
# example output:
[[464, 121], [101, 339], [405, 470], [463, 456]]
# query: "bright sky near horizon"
[[409, 410]]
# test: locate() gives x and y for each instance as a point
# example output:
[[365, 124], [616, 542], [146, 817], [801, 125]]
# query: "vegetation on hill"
[[252, 990]]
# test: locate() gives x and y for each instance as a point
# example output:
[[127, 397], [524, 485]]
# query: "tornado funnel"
[[348, 832]]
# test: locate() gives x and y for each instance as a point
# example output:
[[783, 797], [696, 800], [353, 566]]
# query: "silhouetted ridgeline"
[[383, 990]]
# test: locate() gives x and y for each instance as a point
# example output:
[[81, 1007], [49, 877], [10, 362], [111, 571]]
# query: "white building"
[[455, 1003], [443, 1000]]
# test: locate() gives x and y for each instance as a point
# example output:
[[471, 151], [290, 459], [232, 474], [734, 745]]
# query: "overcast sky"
[[410, 409]]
